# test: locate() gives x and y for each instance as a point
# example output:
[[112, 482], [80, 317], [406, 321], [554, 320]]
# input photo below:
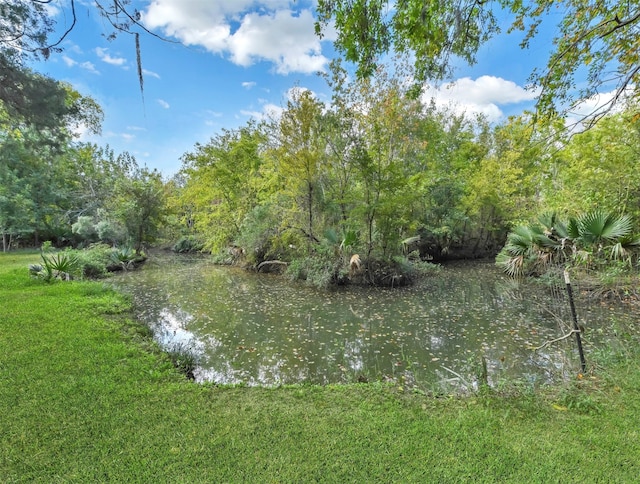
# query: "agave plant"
[[124, 257]]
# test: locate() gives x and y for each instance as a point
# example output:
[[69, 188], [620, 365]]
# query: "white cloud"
[[150, 73], [247, 31], [89, 66], [68, 61], [483, 95], [104, 56], [599, 104], [248, 85], [269, 111], [72, 47], [163, 103]]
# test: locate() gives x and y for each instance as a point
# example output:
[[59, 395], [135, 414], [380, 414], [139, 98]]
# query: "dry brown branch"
[[572, 332]]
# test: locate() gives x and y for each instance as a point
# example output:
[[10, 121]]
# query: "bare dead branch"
[[571, 333]]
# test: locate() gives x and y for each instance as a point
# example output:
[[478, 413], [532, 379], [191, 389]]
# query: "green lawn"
[[86, 397]]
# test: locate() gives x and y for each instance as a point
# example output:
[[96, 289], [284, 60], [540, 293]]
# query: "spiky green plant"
[[595, 235], [62, 265], [124, 257], [599, 228], [529, 249]]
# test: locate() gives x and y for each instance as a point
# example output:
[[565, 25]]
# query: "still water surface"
[[260, 329]]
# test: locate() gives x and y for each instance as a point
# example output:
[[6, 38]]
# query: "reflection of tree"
[[278, 333]]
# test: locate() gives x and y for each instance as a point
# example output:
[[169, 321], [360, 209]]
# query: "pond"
[[261, 329]]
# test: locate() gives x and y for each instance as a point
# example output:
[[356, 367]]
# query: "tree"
[[299, 154], [595, 47], [598, 168], [507, 184], [49, 108], [221, 183], [15, 206], [341, 138], [35, 137], [139, 204], [387, 121]]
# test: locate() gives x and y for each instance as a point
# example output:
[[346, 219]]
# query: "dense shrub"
[[188, 243], [94, 260]]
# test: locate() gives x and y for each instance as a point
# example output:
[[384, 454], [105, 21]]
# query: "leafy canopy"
[[596, 45]]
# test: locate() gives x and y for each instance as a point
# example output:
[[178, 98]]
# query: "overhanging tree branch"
[[619, 24]]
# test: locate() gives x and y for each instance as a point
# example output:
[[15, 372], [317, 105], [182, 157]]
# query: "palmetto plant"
[[592, 237], [530, 248], [56, 266], [599, 229]]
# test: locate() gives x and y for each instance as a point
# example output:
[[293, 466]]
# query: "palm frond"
[[573, 228], [599, 226]]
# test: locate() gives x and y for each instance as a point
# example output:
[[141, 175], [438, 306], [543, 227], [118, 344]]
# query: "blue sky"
[[236, 59]]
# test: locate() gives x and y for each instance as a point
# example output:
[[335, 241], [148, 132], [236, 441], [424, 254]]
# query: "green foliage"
[[371, 171], [221, 184], [595, 168], [594, 239], [94, 260], [593, 48], [379, 165], [41, 106], [365, 31], [61, 265], [111, 231], [85, 227], [184, 357], [321, 269], [188, 243], [46, 247], [421, 269], [258, 233], [139, 205]]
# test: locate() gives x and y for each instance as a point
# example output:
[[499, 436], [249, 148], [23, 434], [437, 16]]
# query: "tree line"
[[374, 171], [378, 173]]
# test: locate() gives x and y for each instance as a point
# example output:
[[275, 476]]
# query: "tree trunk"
[[310, 201]]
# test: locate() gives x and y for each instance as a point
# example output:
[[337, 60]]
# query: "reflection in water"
[[261, 329]]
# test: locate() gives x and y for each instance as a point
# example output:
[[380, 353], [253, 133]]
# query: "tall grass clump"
[[184, 356]]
